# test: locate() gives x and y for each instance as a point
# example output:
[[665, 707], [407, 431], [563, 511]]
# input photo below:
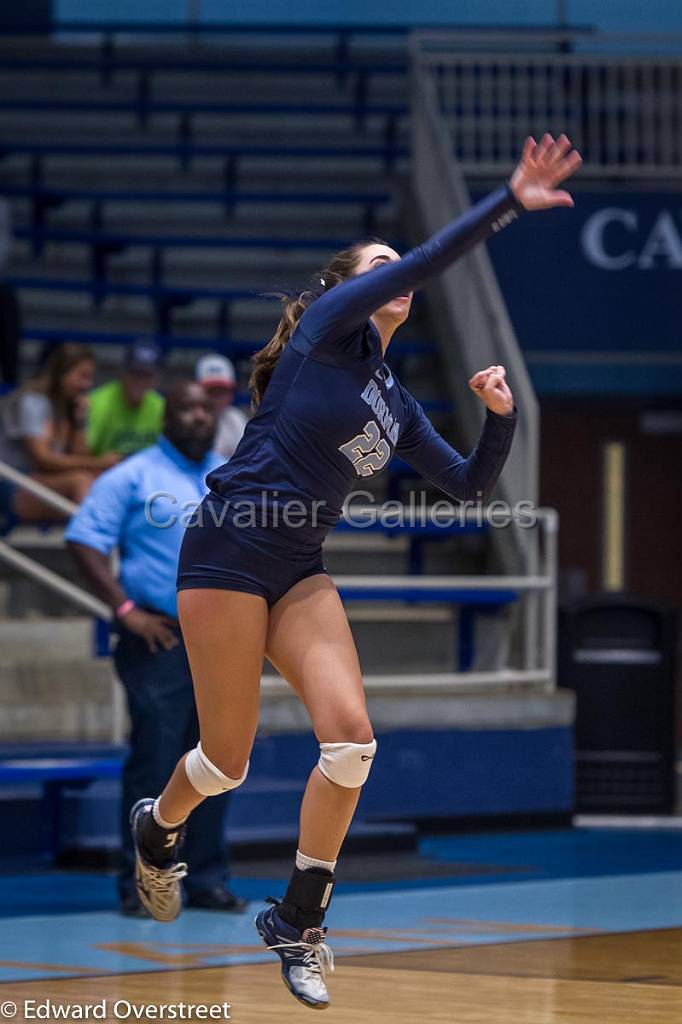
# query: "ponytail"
[[339, 269], [265, 360]]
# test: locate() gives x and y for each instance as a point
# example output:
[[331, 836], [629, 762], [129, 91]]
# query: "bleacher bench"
[[55, 775]]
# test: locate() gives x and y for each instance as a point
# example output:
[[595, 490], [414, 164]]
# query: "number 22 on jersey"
[[369, 452]]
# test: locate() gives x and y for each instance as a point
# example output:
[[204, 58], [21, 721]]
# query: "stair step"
[[25, 642]]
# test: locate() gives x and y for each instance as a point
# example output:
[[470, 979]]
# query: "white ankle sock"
[[303, 863], [161, 822]]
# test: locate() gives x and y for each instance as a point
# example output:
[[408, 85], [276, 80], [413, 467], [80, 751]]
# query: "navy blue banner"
[[602, 276], [600, 284]]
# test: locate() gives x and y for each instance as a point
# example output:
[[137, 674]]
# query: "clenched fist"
[[492, 388]]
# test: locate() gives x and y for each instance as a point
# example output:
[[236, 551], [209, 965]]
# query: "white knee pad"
[[347, 764], [205, 777]]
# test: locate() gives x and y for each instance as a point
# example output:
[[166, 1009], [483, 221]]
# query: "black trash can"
[[617, 653]]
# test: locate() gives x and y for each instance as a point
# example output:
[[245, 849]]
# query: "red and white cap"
[[215, 371]]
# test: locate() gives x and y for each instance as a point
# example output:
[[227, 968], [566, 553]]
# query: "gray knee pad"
[[347, 764], [205, 777]]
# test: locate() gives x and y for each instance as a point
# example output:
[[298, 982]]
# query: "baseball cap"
[[216, 371], [143, 354]]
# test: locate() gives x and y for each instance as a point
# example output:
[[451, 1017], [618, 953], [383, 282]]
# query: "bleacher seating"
[[245, 193], [174, 213], [188, 152], [143, 108], [42, 200], [260, 167], [239, 149], [245, 152]]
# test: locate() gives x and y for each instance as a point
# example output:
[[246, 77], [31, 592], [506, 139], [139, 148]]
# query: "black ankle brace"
[[154, 840], [307, 898]]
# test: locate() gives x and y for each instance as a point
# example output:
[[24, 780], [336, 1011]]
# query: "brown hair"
[[60, 361], [339, 269]]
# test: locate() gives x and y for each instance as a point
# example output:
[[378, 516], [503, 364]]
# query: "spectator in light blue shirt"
[[141, 507]]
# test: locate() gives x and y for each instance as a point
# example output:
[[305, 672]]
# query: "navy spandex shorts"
[[218, 554]]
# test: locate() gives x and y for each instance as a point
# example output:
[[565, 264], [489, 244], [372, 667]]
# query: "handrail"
[[539, 660], [474, 328], [38, 490], [538, 583], [54, 582], [436, 683], [561, 40], [444, 583], [617, 98], [32, 568], [474, 324]]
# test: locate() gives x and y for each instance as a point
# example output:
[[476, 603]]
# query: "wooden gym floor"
[[572, 927], [633, 978]]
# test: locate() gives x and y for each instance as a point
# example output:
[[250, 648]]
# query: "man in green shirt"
[[126, 415]]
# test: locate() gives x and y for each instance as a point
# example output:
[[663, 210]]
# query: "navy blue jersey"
[[333, 414]]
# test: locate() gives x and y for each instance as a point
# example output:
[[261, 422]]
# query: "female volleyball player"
[[251, 577]]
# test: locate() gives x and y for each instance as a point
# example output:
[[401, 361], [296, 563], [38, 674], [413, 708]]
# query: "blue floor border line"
[[503, 887], [476, 859], [57, 946]]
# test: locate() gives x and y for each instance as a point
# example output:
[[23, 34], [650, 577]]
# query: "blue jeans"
[[164, 726]]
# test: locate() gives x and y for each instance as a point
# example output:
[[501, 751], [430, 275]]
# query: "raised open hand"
[[542, 167]]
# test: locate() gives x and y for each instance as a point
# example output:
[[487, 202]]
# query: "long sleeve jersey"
[[333, 413]]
